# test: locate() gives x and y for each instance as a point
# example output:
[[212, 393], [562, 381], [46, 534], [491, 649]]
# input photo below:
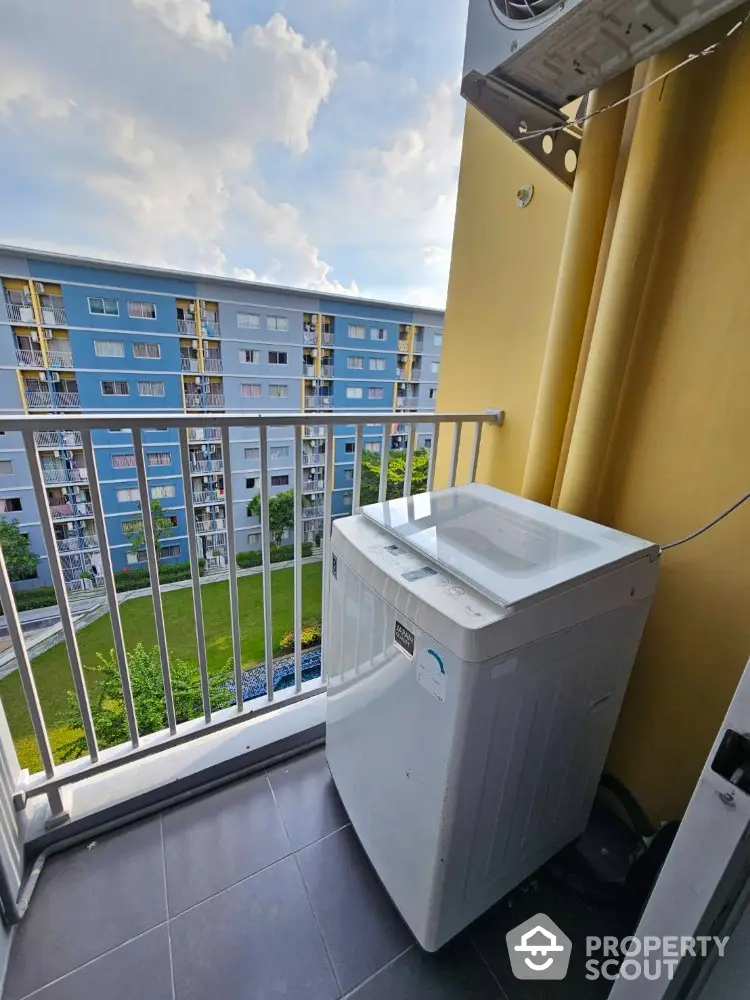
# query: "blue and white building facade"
[[87, 336]]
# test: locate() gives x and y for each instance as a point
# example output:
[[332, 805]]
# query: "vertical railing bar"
[[409, 460], [326, 568], [200, 636], [475, 451], [58, 581], [456, 449], [384, 453], [358, 450], [234, 596], [298, 557], [265, 539], [153, 572], [24, 670], [433, 459], [109, 586]]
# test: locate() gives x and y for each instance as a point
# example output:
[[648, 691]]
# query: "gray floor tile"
[[571, 913], [362, 928], [220, 838], [139, 969], [456, 972], [309, 803], [88, 902], [258, 939]]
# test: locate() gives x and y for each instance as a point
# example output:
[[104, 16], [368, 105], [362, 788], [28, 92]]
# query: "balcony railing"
[[207, 497], [186, 327], [313, 457], [207, 525], [189, 364], [29, 359], [403, 347], [319, 402], [308, 371], [20, 314], [313, 485], [60, 359], [211, 328], [313, 431], [309, 336], [39, 399], [214, 400], [104, 763], [213, 365], [54, 316], [200, 466], [66, 511], [58, 439], [204, 434], [84, 543], [59, 477]]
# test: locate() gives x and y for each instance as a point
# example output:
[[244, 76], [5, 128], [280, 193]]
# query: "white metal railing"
[[314, 457], [206, 525], [20, 314], [58, 476], [326, 337], [73, 543], [54, 316], [186, 326], [58, 439], [203, 465], [313, 431], [38, 399], [189, 364], [193, 401], [207, 497], [66, 399], [211, 328], [217, 546], [319, 402], [309, 371], [214, 399], [204, 434], [83, 583], [309, 336], [29, 359], [326, 370], [213, 365], [403, 347], [60, 359]]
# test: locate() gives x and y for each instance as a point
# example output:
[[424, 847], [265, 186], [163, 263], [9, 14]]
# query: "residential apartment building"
[[81, 335]]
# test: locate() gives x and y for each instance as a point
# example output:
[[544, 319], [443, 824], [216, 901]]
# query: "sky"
[[313, 144]]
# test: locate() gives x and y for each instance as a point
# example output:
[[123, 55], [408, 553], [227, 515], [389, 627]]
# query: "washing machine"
[[477, 646]]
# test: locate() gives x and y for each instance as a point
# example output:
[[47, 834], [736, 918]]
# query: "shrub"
[[36, 597], [310, 636], [279, 553], [135, 579]]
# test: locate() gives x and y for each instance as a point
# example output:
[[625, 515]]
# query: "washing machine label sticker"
[[431, 673], [403, 639]]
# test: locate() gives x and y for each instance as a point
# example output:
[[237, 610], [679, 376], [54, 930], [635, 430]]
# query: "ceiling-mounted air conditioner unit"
[[527, 59], [47, 333]]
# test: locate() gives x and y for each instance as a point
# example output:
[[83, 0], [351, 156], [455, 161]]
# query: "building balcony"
[[403, 346], [68, 511], [189, 364], [313, 457], [29, 359], [61, 477], [308, 371], [60, 359], [20, 314], [205, 498], [58, 439], [54, 316], [313, 431], [213, 365], [312, 512], [309, 336], [208, 525], [202, 466], [214, 400], [313, 485], [186, 327], [193, 401], [326, 369], [84, 543], [319, 402], [211, 328], [204, 434], [38, 399]]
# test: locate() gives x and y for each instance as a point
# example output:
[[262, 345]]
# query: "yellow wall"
[[502, 281], [680, 451]]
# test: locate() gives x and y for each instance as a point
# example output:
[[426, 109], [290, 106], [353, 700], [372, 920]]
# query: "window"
[[375, 392], [103, 307], [158, 458], [253, 453], [150, 388], [134, 524], [169, 551], [347, 499], [277, 357], [249, 357], [373, 446], [144, 349], [280, 451], [428, 443], [278, 391], [250, 389], [109, 349], [354, 392], [355, 362], [9, 504], [163, 492], [115, 389], [142, 310], [280, 323], [437, 339], [123, 461], [250, 483], [433, 393], [6, 467], [378, 333], [130, 495], [248, 321], [377, 364], [349, 448], [349, 474], [356, 332], [279, 480], [434, 367]]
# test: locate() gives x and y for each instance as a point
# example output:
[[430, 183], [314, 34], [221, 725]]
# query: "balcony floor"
[[259, 889]]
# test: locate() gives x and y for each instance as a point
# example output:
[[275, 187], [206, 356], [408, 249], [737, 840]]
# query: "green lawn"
[[52, 670]]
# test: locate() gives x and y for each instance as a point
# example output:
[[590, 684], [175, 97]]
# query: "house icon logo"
[[538, 949]]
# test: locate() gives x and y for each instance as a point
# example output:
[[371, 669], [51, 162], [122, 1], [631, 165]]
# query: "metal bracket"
[[499, 416], [517, 113]]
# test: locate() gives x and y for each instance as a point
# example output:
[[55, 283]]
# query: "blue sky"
[[311, 144]]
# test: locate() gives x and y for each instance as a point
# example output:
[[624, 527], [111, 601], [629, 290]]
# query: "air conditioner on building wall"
[[48, 333], [39, 287], [526, 59]]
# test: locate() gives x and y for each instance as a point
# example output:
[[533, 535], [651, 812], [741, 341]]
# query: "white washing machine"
[[478, 647]]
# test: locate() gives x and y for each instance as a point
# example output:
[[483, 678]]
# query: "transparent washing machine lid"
[[509, 548]]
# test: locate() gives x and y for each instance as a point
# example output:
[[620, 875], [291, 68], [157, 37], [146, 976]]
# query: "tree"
[[20, 561], [108, 709], [396, 473], [280, 512], [163, 528]]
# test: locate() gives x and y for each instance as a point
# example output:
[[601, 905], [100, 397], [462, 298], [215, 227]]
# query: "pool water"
[[254, 679]]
